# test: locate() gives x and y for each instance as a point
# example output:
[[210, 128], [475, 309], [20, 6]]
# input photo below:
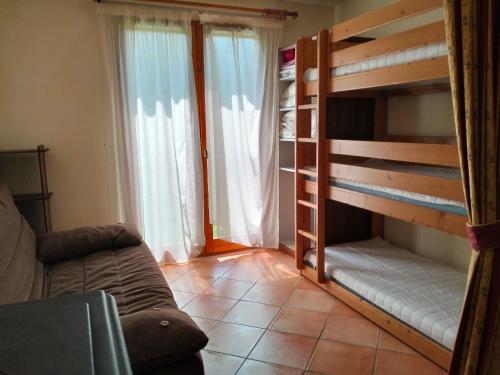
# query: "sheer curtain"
[[153, 140], [241, 91]]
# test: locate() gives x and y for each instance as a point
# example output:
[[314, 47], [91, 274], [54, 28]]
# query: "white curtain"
[[241, 90], [153, 140]]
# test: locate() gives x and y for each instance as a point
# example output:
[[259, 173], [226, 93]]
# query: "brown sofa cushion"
[[20, 272], [159, 337], [62, 245]]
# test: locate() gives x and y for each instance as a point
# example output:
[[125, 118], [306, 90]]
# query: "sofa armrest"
[[159, 337], [63, 245]]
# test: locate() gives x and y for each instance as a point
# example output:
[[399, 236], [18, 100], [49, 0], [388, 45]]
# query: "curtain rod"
[[268, 12]]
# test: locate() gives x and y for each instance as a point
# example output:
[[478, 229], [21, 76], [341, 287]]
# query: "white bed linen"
[[401, 57], [424, 294]]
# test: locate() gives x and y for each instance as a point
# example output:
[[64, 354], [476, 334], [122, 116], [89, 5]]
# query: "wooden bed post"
[[323, 41]]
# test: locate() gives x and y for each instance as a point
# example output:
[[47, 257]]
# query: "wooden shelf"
[[288, 169], [287, 139], [23, 151], [289, 109], [32, 197]]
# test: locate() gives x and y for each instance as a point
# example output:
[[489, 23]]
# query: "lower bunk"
[[415, 299]]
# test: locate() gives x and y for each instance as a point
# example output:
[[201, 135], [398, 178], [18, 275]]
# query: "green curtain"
[[472, 29]]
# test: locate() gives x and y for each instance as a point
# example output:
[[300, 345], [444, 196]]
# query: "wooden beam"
[[416, 71], [433, 154], [434, 186], [416, 37], [321, 156], [428, 217], [382, 16]]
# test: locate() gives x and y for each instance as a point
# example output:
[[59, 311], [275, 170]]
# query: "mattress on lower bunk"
[[421, 293], [425, 52], [429, 201]]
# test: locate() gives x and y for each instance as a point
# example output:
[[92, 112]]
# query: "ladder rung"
[[307, 140], [309, 171], [308, 106], [306, 234], [306, 203]]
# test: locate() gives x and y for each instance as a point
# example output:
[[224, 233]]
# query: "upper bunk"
[[417, 56]]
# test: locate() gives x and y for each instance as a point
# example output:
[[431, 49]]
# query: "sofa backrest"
[[20, 271]]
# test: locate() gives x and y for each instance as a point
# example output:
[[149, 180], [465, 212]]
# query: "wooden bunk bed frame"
[[333, 157]]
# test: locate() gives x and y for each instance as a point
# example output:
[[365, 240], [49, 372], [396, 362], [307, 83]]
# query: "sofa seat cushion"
[[130, 274]]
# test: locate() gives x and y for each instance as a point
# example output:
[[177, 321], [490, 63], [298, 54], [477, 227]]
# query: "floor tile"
[[218, 364], [338, 359], [268, 294], [393, 363], [233, 339], [280, 278], [284, 349], [205, 325], [340, 308], [209, 307], [260, 259], [228, 288], [389, 342], [251, 367], [301, 322], [358, 331], [210, 269], [309, 285], [311, 300], [179, 268], [170, 275], [244, 273], [252, 314], [183, 298], [192, 283]]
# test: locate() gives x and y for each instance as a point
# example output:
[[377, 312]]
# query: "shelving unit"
[[286, 177], [25, 172]]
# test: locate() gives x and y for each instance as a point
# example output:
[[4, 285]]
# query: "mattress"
[[442, 204], [423, 294], [425, 52]]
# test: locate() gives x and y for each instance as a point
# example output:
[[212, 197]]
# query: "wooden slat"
[[434, 154], [408, 212], [416, 71], [307, 140], [306, 203], [417, 183], [422, 344], [310, 187], [421, 139], [382, 16], [308, 106], [307, 172], [419, 36], [306, 234]]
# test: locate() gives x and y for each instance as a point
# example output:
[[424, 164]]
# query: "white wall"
[[51, 75], [429, 114]]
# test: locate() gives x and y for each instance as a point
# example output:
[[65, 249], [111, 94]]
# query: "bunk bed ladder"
[[311, 150]]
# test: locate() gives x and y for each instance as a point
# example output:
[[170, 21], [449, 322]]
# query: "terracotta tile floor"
[[262, 317]]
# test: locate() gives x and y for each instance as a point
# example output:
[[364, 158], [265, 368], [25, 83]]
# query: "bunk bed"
[[351, 174]]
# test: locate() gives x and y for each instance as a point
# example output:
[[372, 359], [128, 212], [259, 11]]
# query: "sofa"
[[160, 338]]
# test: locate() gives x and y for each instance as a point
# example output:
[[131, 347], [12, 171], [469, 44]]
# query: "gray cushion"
[[18, 279], [67, 244]]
